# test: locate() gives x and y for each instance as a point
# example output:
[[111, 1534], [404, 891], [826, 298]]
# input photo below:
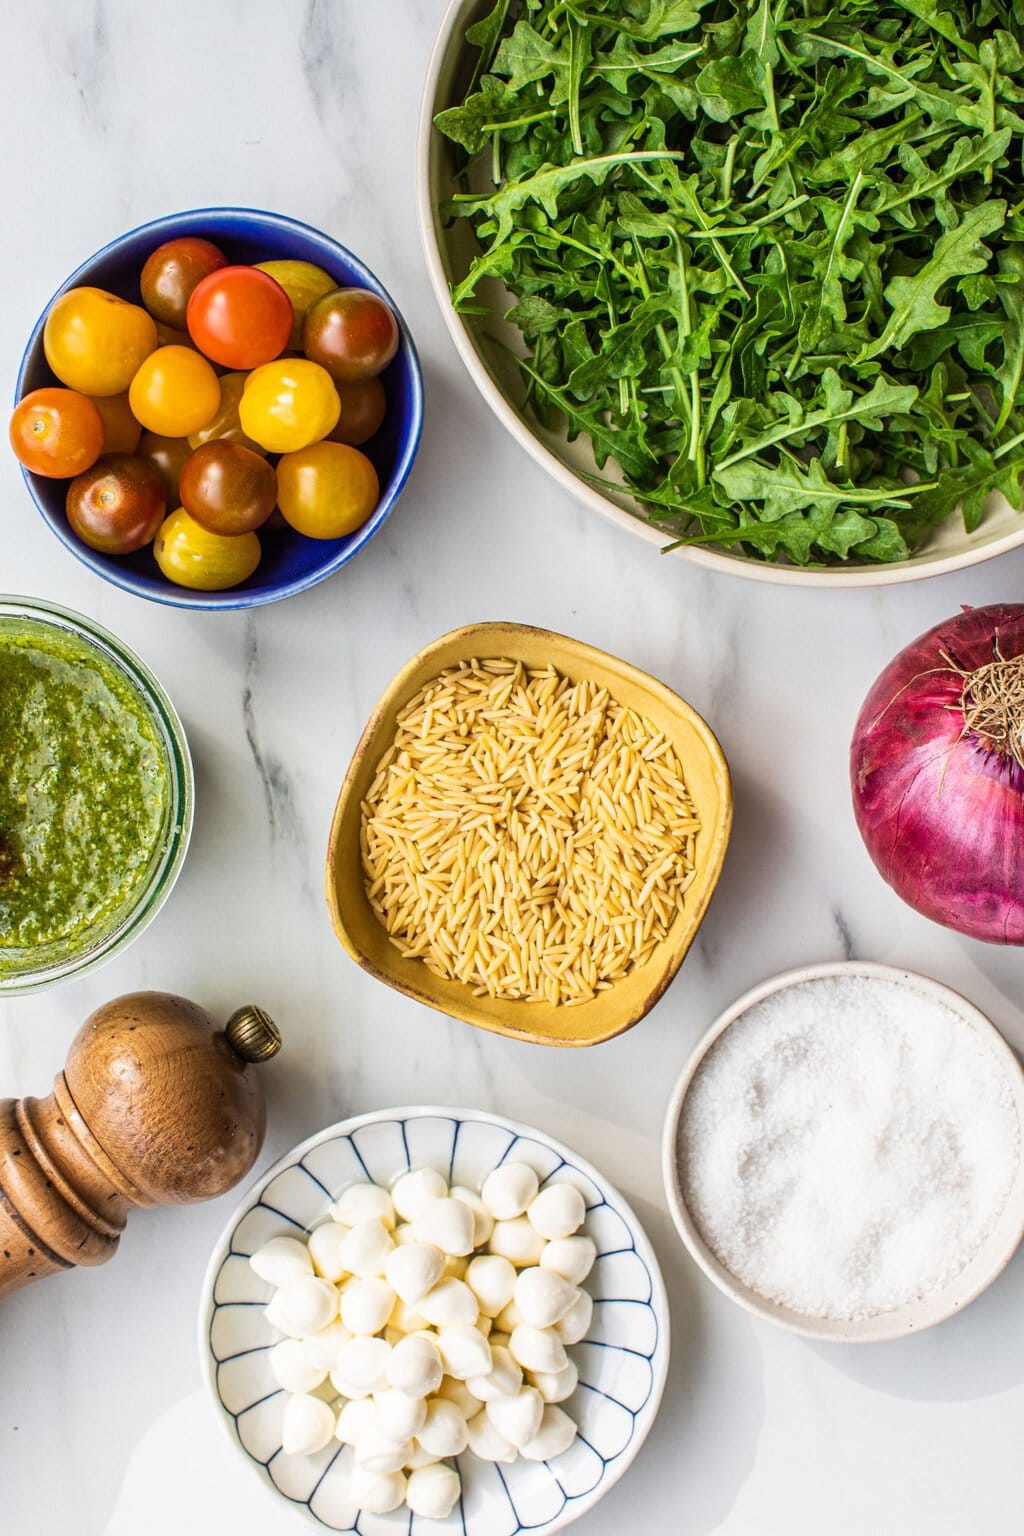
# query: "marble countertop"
[[114, 113]]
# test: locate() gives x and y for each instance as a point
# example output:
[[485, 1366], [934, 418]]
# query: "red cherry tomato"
[[56, 432], [350, 332], [172, 274], [118, 505], [240, 317]]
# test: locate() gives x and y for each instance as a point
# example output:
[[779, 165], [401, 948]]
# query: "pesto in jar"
[[84, 791]]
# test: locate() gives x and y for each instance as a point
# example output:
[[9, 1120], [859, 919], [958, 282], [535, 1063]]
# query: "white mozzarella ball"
[[571, 1257], [414, 1191], [555, 1435], [492, 1280], [405, 1232], [413, 1269], [357, 1421], [321, 1348], [457, 1392], [485, 1324], [456, 1268], [365, 1247], [556, 1386], [377, 1494], [516, 1240], [485, 1441], [509, 1318], [518, 1417], [361, 1367], [415, 1366], [446, 1224], [443, 1432], [366, 1306], [483, 1221], [376, 1454], [364, 1202], [292, 1369], [464, 1351], [433, 1491], [325, 1250], [558, 1211], [399, 1416], [574, 1325], [274, 1312], [508, 1190], [502, 1380], [499, 1337], [543, 1298], [419, 1457], [407, 1319], [537, 1349], [450, 1301], [306, 1425], [281, 1261], [309, 1304]]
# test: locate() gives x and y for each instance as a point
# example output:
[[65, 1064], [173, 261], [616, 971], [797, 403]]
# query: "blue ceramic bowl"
[[291, 562]]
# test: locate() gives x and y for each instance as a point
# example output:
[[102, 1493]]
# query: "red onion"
[[937, 765]]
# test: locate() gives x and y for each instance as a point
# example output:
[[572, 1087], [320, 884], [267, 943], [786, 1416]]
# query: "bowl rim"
[[900, 1322], [153, 893], [659, 1359], [470, 1012], [184, 222], [918, 568]]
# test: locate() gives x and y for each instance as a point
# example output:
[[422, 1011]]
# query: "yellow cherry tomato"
[[95, 342], [225, 425], [121, 432], [303, 283], [327, 491], [191, 556], [175, 392], [288, 404]]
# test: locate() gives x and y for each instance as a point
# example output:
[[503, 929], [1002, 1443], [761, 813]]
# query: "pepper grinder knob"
[[252, 1033]]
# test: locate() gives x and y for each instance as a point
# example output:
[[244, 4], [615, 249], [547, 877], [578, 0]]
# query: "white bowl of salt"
[[843, 1152]]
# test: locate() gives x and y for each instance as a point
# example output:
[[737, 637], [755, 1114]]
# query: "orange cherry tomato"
[[95, 342], [56, 432], [175, 392], [363, 408], [240, 317], [327, 491], [121, 432]]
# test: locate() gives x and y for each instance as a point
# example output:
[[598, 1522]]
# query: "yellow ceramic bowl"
[[707, 777]]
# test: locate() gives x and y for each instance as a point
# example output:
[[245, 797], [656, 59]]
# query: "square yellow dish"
[[626, 1002]]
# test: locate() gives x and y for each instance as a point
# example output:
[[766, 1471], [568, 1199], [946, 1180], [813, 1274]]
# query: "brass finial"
[[252, 1033]]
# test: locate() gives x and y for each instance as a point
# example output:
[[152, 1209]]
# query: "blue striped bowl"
[[622, 1362]]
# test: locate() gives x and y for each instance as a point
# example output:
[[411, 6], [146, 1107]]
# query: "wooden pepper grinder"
[[155, 1106]]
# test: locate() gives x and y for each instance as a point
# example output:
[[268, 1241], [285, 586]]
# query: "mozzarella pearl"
[[444, 1430], [356, 1421], [503, 1379], [558, 1211], [407, 1319], [364, 1202], [365, 1248], [432, 1491], [450, 1301], [292, 1369], [309, 1304], [376, 1454], [325, 1250], [492, 1280], [518, 1241], [448, 1225], [537, 1349], [457, 1392], [415, 1366], [556, 1386], [321, 1348], [399, 1417], [542, 1297], [571, 1257], [281, 1261], [413, 1269], [274, 1312], [366, 1305], [414, 1191], [555, 1435], [518, 1418], [419, 1458], [404, 1233], [575, 1324], [306, 1425], [508, 1190], [486, 1442], [509, 1317], [361, 1367], [464, 1351], [483, 1221], [377, 1494]]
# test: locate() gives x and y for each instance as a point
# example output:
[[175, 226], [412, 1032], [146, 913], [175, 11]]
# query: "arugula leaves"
[[766, 255]]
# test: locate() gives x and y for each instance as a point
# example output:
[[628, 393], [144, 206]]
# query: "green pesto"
[[84, 790]]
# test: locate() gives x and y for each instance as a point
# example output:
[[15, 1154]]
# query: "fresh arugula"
[[767, 255]]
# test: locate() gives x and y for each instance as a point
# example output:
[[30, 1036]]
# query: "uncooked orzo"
[[527, 835]]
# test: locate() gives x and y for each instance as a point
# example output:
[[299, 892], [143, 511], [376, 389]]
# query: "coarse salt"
[[847, 1145]]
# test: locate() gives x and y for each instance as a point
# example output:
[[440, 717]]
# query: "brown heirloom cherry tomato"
[[363, 408], [350, 332], [56, 432], [95, 342], [328, 490], [175, 392], [225, 425], [228, 488], [172, 273], [240, 317], [118, 505], [121, 432], [302, 282], [167, 455], [190, 556]]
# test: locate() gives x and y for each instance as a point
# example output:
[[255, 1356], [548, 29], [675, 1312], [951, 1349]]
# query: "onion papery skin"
[[940, 810]]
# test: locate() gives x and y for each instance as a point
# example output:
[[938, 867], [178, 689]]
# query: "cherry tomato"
[[240, 317], [302, 282], [228, 488], [191, 556], [56, 432], [288, 405], [95, 342], [351, 333], [121, 432], [167, 455], [363, 408], [225, 426], [328, 490], [170, 336], [118, 505], [172, 273], [175, 392]]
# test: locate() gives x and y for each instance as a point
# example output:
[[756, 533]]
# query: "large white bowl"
[[622, 1362], [449, 250], [991, 1258]]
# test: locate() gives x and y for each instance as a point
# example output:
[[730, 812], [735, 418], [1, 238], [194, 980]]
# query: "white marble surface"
[[115, 112]]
